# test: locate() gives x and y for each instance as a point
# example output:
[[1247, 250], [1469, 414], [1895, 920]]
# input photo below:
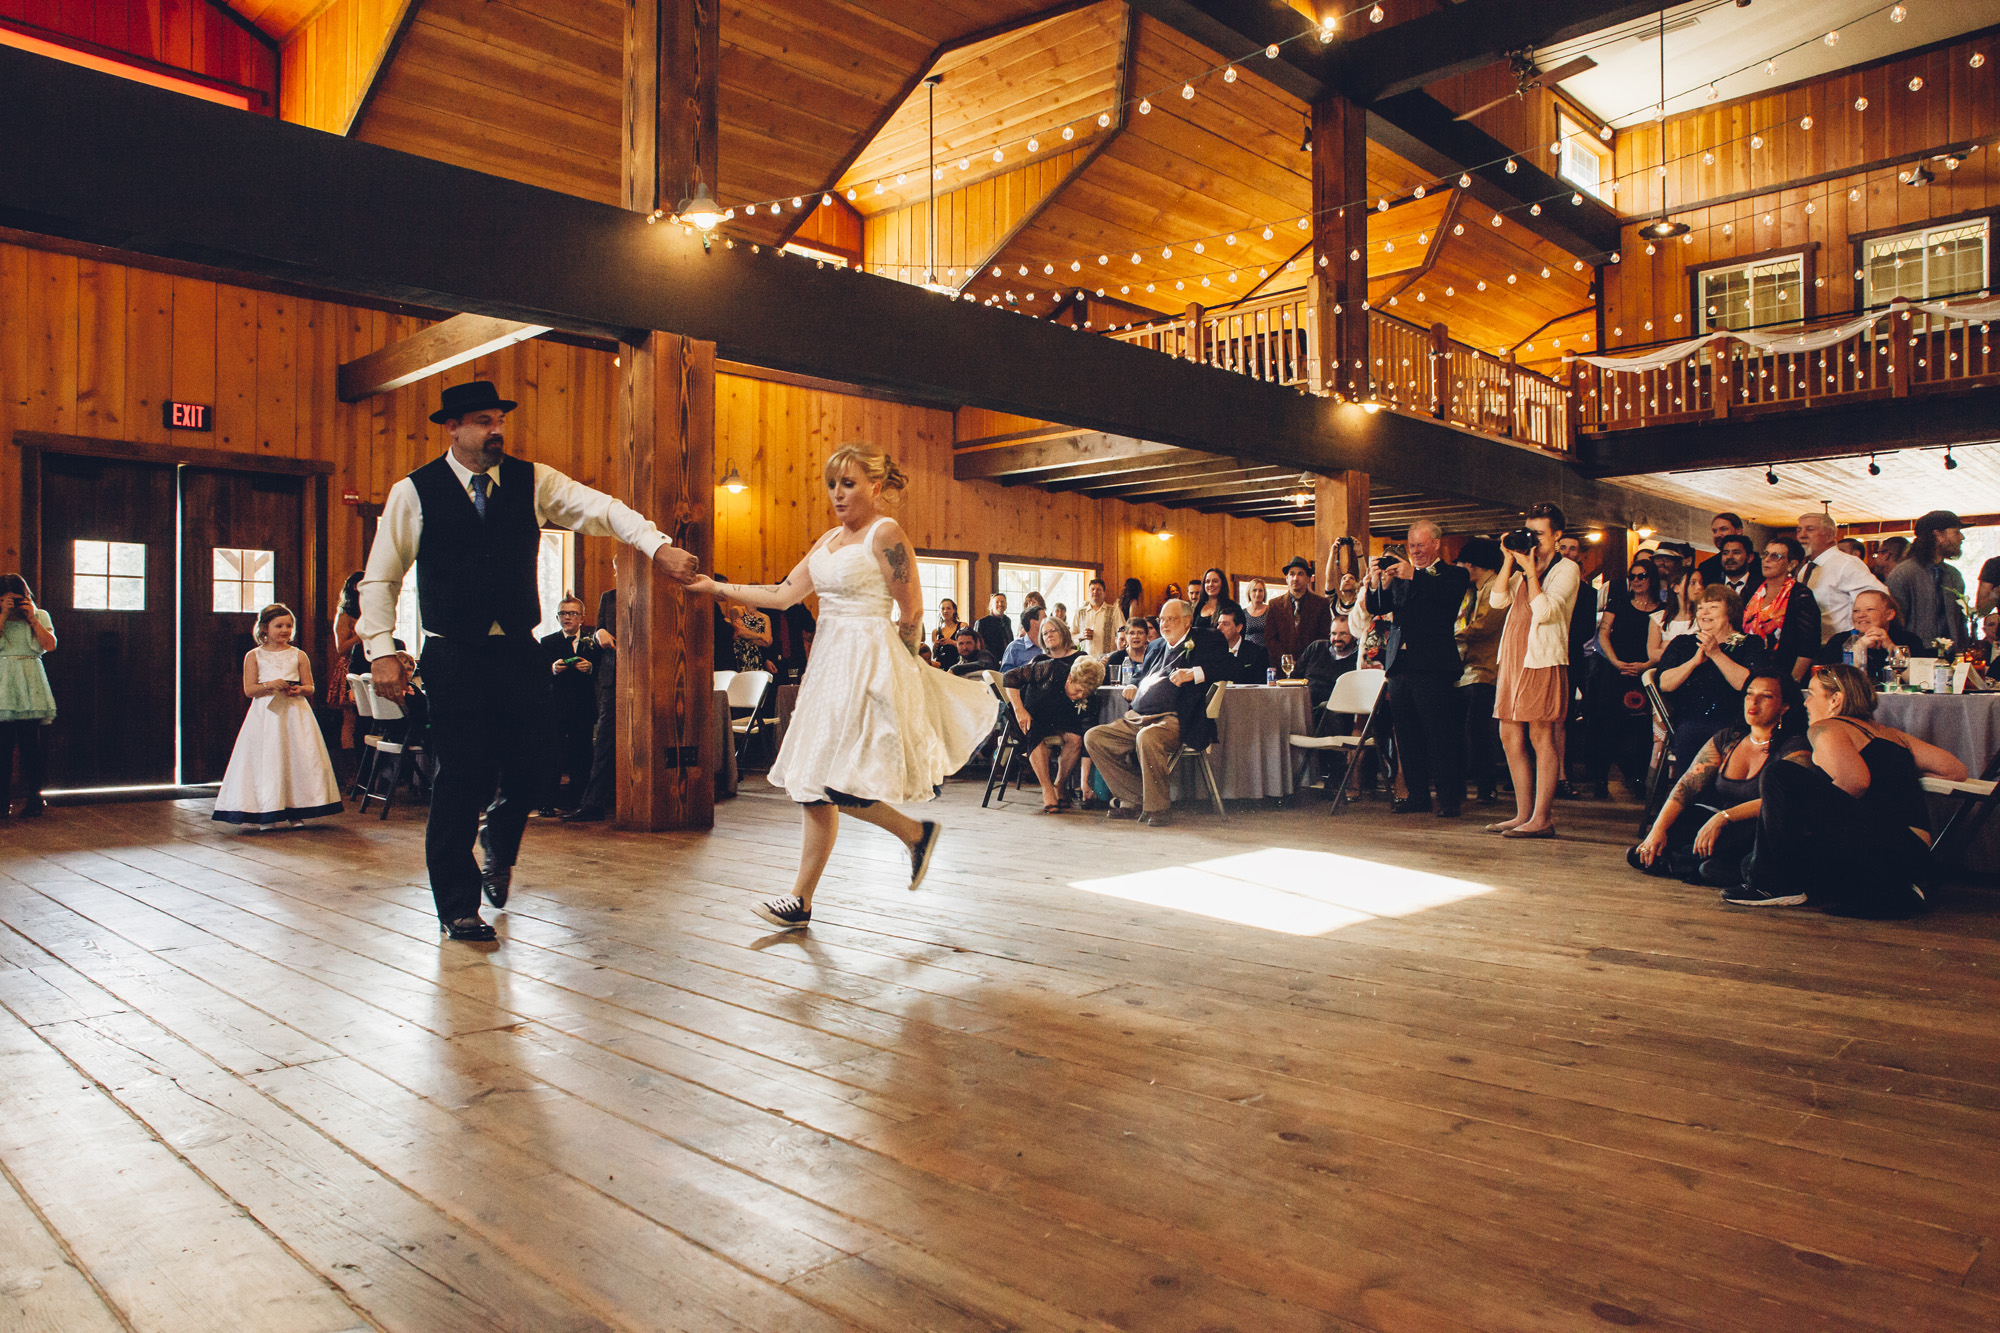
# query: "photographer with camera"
[[1422, 595], [26, 703], [1538, 586]]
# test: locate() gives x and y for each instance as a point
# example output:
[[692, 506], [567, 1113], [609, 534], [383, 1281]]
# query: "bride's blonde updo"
[[871, 463]]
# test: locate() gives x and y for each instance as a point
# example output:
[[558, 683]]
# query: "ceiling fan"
[[1526, 76]]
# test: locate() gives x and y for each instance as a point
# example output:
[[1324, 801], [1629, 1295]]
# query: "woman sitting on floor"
[[1052, 696], [1703, 674], [1710, 818], [1846, 828]]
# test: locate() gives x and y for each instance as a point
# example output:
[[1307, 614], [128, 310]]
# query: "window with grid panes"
[[1926, 264], [1754, 296], [108, 576], [939, 579]]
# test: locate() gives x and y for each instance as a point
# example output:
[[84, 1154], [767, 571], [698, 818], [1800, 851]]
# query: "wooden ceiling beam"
[[454, 342], [1050, 456], [97, 158], [1173, 493], [1100, 484]]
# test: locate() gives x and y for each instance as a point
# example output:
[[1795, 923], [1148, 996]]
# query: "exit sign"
[[188, 416]]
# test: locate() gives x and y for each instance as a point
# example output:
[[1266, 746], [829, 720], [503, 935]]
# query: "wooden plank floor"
[[1287, 1073]]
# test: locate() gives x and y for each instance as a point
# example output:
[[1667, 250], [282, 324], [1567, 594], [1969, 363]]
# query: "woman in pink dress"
[[1531, 695]]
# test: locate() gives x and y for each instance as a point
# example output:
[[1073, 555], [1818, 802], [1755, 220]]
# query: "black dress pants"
[[1430, 736], [572, 755], [1813, 838], [26, 738], [1485, 760], [599, 792], [489, 703], [1617, 731]]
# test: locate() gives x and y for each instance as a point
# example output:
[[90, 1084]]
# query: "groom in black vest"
[[472, 522]]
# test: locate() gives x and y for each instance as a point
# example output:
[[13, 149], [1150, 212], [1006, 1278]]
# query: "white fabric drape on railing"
[[1810, 340]]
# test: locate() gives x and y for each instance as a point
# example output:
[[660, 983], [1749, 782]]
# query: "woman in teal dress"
[[26, 705]]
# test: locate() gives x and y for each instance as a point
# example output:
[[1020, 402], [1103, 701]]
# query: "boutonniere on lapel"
[[1734, 639]]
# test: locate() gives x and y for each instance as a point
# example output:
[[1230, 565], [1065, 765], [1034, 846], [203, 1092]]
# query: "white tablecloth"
[[1252, 757], [1968, 725]]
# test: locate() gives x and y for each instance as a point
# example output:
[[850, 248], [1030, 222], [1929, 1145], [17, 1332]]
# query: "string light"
[[1375, 14]]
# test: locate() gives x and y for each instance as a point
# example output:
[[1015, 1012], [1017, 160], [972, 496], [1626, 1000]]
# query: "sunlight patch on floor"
[[1287, 890]]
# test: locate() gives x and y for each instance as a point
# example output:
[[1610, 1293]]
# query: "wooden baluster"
[[1194, 332]]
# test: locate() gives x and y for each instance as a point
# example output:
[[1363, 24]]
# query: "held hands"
[[677, 564]]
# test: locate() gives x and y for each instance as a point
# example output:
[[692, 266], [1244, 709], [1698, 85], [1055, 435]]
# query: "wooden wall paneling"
[[149, 331], [235, 368], [277, 412], [51, 320], [100, 389], [190, 362]]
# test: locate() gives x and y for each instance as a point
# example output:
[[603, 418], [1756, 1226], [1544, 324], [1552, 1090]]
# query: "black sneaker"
[[785, 913], [925, 849], [1749, 897]]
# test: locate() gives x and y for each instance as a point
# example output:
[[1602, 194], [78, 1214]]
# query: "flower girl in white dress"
[[874, 724], [279, 770]]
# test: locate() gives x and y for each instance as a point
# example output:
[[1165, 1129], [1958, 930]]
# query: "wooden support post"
[[1340, 237], [1195, 339], [1440, 369], [667, 745], [666, 459], [1340, 509]]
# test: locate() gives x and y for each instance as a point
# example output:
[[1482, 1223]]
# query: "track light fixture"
[[1874, 468], [1949, 462], [1770, 475]]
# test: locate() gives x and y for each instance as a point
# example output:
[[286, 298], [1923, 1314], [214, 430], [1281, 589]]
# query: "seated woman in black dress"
[[1703, 674], [1052, 696], [1847, 827], [1710, 818]]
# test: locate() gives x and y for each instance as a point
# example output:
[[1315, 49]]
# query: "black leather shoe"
[[583, 817], [1407, 806], [1564, 790], [494, 879], [469, 929], [1122, 812]]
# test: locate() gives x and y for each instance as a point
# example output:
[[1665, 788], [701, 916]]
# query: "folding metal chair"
[[749, 690], [362, 690], [1214, 711], [1357, 693], [391, 746], [1972, 803], [1661, 772]]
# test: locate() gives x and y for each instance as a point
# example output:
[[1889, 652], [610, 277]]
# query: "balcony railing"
[[1897, 353], [1276, 339]]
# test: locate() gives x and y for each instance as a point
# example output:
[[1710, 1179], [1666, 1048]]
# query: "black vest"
[[471, 571]]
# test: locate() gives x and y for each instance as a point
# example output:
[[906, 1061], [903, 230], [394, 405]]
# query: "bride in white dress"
[[874, 724], [278, 771]]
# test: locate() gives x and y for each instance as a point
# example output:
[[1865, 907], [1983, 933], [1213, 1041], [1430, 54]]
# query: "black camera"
[[1520, 541], [1386, 562]]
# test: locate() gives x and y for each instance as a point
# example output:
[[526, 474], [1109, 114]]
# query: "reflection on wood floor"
[[1286, 1073]]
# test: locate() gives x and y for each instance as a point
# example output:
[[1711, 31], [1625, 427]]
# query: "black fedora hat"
[[478, 396], [1299, 562]]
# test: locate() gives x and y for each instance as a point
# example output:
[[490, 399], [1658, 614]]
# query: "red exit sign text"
[[188, 416]]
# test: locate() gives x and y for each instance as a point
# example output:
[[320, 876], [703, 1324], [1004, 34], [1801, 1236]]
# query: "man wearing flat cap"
[[471, 521], [1931, 592], [1298, 618]]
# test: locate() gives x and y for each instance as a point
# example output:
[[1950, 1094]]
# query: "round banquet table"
[[1968, 725], [1252, 757]]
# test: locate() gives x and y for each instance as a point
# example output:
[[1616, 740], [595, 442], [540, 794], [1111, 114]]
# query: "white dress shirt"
[[1835, 578], [558, 500]]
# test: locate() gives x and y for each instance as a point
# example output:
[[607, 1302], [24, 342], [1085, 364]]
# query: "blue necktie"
[[480, 484]]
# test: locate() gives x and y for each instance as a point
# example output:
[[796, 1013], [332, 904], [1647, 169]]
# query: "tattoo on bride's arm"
[[898, 557]]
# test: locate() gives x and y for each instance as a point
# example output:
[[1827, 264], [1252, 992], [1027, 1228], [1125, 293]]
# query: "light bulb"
[[1229, 75], [1576, 199], [1713, 92], [1534, 210], [1512, 167], [901, 177], [1771, 68], [1033, 145], [825, 199], [1756, 141], [1271, 51], [1145, 107], [1069, 132], [1860, 104], [1898, 13], [1268, 233], [1977, 60], [1832, 38], [1103, 120], [1417, 193], [1917, 84], [1464, 182], [1375, 14], [1805, 122], [998, 155], [1187, 91]]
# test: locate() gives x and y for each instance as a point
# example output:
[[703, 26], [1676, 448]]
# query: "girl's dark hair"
[[271, 613], [15, 584], [1553, 513], [350, 594]]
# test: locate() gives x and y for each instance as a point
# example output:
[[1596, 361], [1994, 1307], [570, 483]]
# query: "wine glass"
[[1286, 663]]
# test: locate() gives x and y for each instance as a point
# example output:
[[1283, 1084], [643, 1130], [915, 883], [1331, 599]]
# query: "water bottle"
[[1857, 654]]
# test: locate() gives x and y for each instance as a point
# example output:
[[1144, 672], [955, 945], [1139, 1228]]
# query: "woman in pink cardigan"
[[1531, 696]]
